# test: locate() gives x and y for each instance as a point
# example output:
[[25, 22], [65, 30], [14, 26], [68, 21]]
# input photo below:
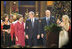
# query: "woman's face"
[[21, 19], [6, 19], [63, 19]]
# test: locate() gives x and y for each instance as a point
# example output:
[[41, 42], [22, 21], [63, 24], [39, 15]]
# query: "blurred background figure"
[[6, 31]]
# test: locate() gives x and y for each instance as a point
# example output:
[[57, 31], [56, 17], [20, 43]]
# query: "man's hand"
[[38, 36], [27, 37], [42, 35]]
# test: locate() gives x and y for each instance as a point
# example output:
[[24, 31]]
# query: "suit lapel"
[[48, 20], [31, 22], [45, 21]]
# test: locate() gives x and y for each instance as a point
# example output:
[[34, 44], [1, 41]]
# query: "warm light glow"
[[50, 3]]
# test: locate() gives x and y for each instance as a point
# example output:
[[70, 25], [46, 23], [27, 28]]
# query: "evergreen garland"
[[53, 28], [62, 7]]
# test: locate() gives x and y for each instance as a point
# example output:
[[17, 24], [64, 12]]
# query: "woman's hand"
[[62, 24], [16, 38], [6, 31]]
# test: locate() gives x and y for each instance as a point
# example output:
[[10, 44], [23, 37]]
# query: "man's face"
[[47, 13], [31, 16]]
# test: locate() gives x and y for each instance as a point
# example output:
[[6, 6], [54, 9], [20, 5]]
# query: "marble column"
[[8, 7], [2, 8], [43, 7], [36, 9]]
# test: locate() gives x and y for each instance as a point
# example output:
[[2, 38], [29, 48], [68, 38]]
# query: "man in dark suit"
[[31, 30], [47, 20]]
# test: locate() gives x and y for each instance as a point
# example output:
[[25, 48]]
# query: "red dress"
[[12, 30], [19, 32], [1, 29], [69, 28]]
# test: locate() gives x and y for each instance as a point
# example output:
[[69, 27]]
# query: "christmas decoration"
[[61, 7], [52, 28]]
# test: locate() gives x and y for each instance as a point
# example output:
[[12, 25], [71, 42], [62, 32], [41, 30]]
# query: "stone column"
[[8, 7], [36, 9], [43, 7], [2, 8], [17, 6]]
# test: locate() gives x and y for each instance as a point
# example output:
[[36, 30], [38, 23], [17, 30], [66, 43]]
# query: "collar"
[[33, 19], [47, 18]]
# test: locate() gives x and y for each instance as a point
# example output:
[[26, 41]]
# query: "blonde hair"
[[66, 21], [66, 18]]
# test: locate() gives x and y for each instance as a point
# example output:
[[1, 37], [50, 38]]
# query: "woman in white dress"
[[63, 35]]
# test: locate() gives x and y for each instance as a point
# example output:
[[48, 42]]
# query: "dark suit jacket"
[[32, 32], [44, 23]]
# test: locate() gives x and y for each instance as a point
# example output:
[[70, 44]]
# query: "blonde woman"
[[63, 35]]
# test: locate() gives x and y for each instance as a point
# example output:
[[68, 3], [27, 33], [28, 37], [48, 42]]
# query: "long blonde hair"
[[66, 22]]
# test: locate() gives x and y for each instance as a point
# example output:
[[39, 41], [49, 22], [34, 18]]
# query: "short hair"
[[31, 12], [47, 11], [5, 15], [19, 16]]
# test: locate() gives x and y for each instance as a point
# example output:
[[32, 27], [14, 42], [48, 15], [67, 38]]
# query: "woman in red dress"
[[19, 31], [13, 21], [1, 27], [1, 33]]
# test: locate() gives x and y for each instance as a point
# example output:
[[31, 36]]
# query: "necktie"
[[48, 21], [32, 23]]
